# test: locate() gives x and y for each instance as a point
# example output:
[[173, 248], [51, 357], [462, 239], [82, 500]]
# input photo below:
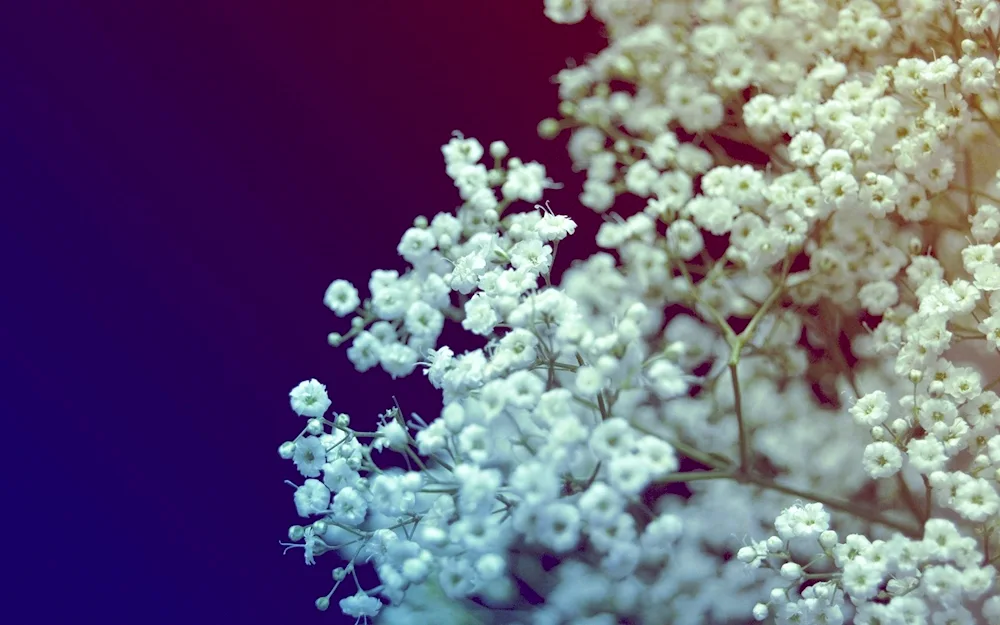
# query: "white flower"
[[878, 297], [597, 196], [525, 181], [806, 148], [364, 351], [808, 520], [392, 435], [341, 297], [667, 379], [338, 474], [713, 214], [309, 399], [398, 359], [474, 443], [658, 455], [313, 497], [423, 320], [839, 188], [987, 276], [555, 227], [480, 317], [461, 150], [871, 409], [601, 505], [531, 255], [565, 11], [684, 240], [416, 245], [926, 455], [882, 459], [978, 75], [629, 474], [976, 500], [861, 579], [558, 526], [309, 456], [612, 437], [470, 179], [360, 605], [349, 507]]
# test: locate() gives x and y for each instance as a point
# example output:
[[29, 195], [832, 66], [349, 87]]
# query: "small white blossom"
[[309, 399]]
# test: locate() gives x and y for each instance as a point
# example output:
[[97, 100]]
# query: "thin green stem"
[[738, 405], [693, 476], [693, 453], [927, 497], [843, 506]]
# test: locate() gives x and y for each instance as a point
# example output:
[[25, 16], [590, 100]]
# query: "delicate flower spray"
[[810, 442]]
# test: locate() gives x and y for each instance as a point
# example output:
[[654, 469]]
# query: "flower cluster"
[[771, 383]]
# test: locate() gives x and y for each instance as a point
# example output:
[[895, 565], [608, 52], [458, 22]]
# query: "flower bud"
[[746, 555], [760, 612], [295, 533], [899, 427], [828, 539], [742, 307], [775, 544], [490, 567], [624, 67], [314, 427], [675, 351], [420, 222], [824, 590], [339, 574], [343, 420], [791, 571], [334, 339], [936, 389], [499, 149], [286, 450], [323, 604], [549, 128], [778, 596], [433, 535], [319, 527], [628, 331], [916, 375], [878, 433]]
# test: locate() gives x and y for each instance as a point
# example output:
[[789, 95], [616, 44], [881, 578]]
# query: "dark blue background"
[[180, 181]]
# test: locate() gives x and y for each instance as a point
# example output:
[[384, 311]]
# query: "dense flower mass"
[[769, 395]]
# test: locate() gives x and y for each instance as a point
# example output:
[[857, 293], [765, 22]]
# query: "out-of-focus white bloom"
[[313, 497]]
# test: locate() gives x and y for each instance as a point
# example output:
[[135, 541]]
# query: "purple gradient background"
[[180, 182]]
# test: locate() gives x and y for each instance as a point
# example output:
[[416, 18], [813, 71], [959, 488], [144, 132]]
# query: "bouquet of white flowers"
[[765, 398]]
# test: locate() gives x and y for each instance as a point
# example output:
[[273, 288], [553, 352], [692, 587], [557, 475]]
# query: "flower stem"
[[738, 405], [843, 506]]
